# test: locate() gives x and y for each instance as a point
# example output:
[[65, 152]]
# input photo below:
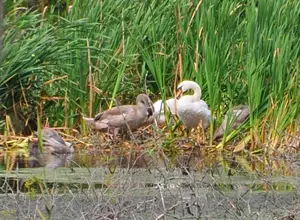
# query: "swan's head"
[[146, 102], [186, 85]]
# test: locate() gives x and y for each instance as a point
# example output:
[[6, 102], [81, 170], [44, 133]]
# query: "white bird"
[[159, 113], [191, 109]]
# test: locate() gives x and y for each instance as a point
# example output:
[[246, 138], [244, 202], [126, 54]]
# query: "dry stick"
[[90, 78], [196, 62], [197, 55], [70, 137], [8, 128], [178, 30], [169, 209], [123, 41], [193, 15], [48, 98], [179, 63], [162, 197], [145, 83], [39, 112], [123, 34], [24, 96], [44, 11], [187, 30], [66, 108], [13, 137], [55, 79], [101, 13]]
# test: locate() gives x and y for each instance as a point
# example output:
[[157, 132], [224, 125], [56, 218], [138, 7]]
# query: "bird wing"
[[240, 115], [158, 107], [49, 133], [117, 116], [55, 145]]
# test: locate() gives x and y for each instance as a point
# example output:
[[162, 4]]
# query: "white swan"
[[159, 112], [191, 109]]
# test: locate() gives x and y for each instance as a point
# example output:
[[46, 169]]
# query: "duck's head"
[[146, 102]]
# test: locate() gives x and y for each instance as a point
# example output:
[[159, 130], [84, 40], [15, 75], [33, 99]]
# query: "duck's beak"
[[179, 92], [149, 112]]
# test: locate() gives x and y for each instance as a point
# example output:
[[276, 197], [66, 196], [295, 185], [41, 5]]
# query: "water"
[[128, 184]]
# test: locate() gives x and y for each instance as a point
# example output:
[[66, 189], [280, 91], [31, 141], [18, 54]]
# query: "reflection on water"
[[196, 160], [49, 160], [123, 158], [14, 159]]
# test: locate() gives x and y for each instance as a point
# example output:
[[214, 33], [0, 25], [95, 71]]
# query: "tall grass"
[[240, 52]]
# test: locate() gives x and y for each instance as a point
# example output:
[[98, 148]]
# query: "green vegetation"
[[66, 63]]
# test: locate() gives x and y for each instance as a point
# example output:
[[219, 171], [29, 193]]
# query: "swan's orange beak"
[[179, 92]]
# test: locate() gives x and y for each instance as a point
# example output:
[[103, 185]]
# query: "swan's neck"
[[197, 93]]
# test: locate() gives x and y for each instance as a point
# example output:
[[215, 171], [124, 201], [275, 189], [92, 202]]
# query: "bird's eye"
[[179, 88]]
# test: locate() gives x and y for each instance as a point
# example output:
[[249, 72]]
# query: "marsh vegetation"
[[63, 60]]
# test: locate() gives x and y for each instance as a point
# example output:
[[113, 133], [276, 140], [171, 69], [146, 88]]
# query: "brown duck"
[[52, 143], [122, 118], [239, 114]]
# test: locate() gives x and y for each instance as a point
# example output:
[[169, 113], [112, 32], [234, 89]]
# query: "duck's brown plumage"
[[238, 115], [52, 143], [121, 118]]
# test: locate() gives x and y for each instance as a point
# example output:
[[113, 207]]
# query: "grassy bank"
[[60, 65]]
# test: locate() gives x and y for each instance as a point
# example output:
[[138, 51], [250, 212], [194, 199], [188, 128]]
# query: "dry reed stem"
[[91, 81], [193, 15]]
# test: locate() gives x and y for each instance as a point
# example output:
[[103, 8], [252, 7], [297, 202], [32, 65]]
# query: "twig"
[[90, 78], [169, 209]]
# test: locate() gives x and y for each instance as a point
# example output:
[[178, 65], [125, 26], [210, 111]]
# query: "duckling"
[[52, 143], [239, 114], [122, 118]]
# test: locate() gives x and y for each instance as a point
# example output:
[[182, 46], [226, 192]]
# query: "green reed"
[[240, 52]]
